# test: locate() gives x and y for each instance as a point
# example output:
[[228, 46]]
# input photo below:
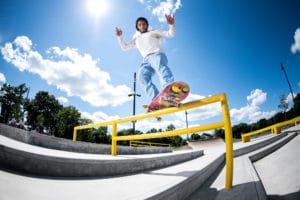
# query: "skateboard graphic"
[[170, 96]]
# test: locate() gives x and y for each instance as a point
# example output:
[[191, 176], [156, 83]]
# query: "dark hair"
[[141, 19]]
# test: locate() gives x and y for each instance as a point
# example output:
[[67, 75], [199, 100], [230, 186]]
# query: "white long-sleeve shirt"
[[148, 42]]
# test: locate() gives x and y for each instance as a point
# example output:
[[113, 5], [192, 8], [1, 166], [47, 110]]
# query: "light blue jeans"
[[154, 63]]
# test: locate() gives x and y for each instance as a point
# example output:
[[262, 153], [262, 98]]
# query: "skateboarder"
[[154, 59]]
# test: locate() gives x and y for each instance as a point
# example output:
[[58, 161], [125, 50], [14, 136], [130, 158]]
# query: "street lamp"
[[134, 94], [287, 79], [186, 123]]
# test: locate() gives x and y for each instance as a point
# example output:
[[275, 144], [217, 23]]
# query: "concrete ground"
[[138, 186], [144, 185], [280, 171], [275, 176]]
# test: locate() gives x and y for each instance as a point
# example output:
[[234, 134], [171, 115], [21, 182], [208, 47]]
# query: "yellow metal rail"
[[275, 129], [134, 143], [226, 124]]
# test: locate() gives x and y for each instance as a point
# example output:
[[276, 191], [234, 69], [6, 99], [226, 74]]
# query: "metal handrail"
[[226, 124], [275, 129]]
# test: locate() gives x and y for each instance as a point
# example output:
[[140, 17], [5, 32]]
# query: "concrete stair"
[[246, 182], [51, 142], [188, 174]]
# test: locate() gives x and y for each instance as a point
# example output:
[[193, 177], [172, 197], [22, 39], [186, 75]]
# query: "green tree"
[[12, 101], [219, 133], [237, 130], [43, 106], [284, 105], [153, 130], [296, 107], [101, 135], [87, 135], [170, 127], [195, 137], [67, 119]]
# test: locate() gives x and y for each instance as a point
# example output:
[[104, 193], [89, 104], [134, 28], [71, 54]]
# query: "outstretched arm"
[[171, 32], [122, 43]]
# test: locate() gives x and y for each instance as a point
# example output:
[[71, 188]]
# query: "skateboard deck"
[[170, 96]]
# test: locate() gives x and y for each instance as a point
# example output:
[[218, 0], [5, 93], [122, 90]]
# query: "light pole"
[[134, 94], [187, 125], [287, 79]]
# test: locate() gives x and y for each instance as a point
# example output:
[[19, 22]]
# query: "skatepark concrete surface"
[[267, 167]]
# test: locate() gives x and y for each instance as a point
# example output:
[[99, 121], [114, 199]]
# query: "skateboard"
[[170, 96]]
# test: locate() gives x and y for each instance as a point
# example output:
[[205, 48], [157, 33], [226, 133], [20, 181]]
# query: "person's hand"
[[170, 19], [118, 31]]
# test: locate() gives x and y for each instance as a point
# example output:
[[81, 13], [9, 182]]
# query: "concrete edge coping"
[[186, 187], [256, 155], [51, 142], [253, 147], [50, 166]]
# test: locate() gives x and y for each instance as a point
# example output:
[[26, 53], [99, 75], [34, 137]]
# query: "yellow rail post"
[[74, 134], [113, 139], [276, 130], [228, 143]]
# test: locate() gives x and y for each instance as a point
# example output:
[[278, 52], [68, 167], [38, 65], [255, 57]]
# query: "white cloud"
[[98, 116], [251, 112], [2, 78], [160, 8], [166, 7], [201, 113], [296, 46], [257, 97], [74, 73], [290, 97], [63, 99]]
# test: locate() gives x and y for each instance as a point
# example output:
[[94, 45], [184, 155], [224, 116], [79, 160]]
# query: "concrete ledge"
[[256, 146], [51, 142], [49, 166], [192, 183], [246, 183], [247, 180], [270, 149]]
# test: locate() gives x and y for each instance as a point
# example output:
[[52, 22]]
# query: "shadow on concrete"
[[204, 191], [291, 196]]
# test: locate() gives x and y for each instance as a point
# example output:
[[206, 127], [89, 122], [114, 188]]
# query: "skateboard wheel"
[[158, 119], [185, 89], [176, 89]]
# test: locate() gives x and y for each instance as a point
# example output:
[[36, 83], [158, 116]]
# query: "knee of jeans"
[[144, 76]]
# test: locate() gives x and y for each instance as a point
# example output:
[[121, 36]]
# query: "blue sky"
[[221, 46]]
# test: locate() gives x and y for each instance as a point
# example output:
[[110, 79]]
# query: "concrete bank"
[[51, 142], [25, 158]]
